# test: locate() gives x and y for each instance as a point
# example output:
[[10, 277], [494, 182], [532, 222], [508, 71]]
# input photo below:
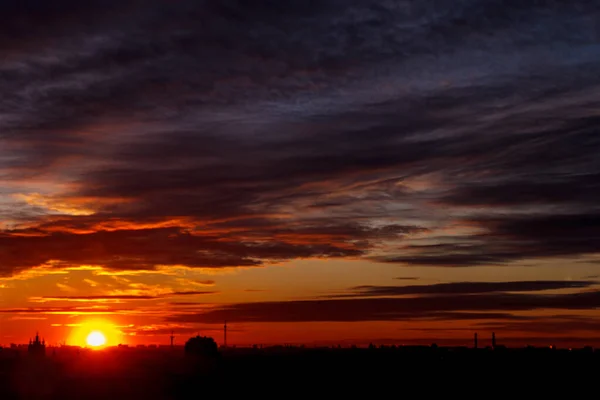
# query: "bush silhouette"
[[201, 346]]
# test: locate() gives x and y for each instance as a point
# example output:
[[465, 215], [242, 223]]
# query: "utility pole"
[[475, 341], [225, 334], [172, 337]]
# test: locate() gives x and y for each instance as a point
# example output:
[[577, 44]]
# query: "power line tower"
[[225, 334], [172, 337]]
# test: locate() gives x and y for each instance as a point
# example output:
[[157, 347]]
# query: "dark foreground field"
[[291, 373]]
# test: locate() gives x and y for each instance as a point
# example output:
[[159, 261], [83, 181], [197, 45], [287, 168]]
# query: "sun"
[[96, 339], [95, 333]]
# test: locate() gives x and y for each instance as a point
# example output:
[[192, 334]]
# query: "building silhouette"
[[37, 347]]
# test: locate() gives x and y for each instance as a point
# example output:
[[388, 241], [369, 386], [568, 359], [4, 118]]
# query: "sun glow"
[[96, 339], [96, 334]]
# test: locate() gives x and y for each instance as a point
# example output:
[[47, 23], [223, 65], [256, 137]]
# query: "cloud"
[[219, 134], [127, 249], [463, 288], [505, 238], [91, 310], [65, 288], [117, 298], [91, 282], [391, 308], [205, 282], [187, 303], [537, 190]]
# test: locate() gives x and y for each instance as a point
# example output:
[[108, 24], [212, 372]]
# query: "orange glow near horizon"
[[96, 334], [66, 304]]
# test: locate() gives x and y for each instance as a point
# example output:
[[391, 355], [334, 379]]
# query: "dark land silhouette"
[[199, 369], [201, 346]]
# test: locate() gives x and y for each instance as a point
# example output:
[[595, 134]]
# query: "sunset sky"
[[329, 171]]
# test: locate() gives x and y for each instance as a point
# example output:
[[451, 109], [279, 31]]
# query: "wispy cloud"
[[116, 298]]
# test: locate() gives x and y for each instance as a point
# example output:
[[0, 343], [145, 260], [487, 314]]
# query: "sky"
[[332, 171]]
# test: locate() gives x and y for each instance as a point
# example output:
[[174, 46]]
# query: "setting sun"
[[96, 339], [97, 333]]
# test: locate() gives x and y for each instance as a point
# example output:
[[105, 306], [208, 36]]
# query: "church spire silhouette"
[[37, 347]]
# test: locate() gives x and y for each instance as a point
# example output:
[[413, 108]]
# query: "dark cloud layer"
[[508, 238], [126, 249], [463, 288], [446, 307], [265, 131]]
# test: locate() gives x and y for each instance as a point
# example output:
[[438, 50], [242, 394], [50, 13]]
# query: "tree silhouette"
[[201, 346]]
